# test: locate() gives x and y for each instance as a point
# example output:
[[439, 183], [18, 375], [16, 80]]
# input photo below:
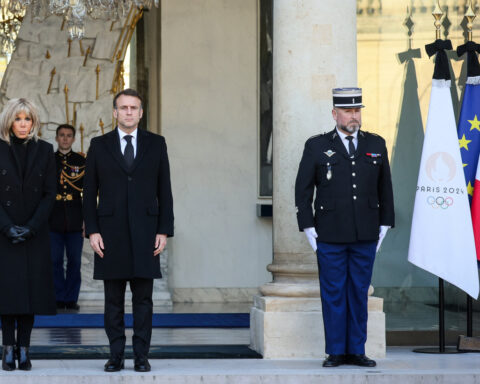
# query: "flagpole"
[[470, 16]]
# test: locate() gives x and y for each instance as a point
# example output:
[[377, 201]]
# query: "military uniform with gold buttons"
[[67, 214], [66, 226]]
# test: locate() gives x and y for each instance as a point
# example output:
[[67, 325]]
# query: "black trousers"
[[24, 329], [142, 306]]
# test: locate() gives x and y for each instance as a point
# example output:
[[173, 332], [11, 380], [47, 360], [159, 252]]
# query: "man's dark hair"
[[66, 126], [127, 92]]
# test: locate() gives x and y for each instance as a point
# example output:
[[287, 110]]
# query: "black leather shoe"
[[23, 357], [8, 359], [114, 365], [334, 361], [60, 305], [360, 360], [72, 305], [142, 365]]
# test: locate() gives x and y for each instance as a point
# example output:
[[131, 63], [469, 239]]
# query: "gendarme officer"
[[66, 220], [348, 170]]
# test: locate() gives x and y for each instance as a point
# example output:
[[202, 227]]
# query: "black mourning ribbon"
[[128, 153], [438, 47], [351, 147], [471, 48]]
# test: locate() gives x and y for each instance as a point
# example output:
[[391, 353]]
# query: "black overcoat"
[[134, 204], [26, 281], [353, 195]]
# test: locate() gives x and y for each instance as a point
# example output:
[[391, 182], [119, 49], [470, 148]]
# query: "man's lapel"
[[113, 145], [361, 144], [337, 143], [142, 145]]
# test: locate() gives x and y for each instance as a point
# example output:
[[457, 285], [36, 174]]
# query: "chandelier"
[[74, 13]]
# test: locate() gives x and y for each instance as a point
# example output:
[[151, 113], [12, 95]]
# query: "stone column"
[[314, 50]]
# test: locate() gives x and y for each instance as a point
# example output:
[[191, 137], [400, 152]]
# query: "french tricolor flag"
[[476, 211]]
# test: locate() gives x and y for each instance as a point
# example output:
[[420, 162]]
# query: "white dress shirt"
[[123, 142], [343, 137]]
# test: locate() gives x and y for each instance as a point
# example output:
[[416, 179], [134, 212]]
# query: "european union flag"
[[469, 122], [469, 134]]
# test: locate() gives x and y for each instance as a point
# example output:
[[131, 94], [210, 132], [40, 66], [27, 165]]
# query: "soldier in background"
[[66, 221]]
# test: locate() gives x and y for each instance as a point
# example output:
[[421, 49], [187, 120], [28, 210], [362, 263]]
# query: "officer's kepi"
[[347, 98]]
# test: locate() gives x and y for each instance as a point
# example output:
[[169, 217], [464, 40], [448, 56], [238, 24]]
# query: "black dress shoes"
[[142, 365], [114, 365], [23, 357], [8, 358], [60, 305], [334, 361], [361, 361]]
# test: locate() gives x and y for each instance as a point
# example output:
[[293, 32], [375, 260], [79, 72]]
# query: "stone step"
[[399, 367]]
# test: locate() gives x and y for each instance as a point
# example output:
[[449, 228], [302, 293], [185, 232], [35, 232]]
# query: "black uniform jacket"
[[353, 195], [134, 204], [67, 215], [26, 282]]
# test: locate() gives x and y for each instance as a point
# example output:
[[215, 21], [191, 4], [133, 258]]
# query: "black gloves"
[[17, 233]]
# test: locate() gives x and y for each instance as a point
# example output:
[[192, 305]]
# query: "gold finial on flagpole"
[[101, 124], [437, 14], [470, 16], [65, 90], [81, 137]]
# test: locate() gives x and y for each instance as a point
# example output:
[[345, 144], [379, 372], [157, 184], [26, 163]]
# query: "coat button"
[[354, 197], [40, 175], [4, 171], [374, 162], [321, 207], [7, 188], [354, 185], [8, 203], [353, 174], [353, 162], [129, 178]]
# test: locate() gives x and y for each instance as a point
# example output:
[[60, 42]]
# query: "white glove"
[[381, 235], [311, 237]]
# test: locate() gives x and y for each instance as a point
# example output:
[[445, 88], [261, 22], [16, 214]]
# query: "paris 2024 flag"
[[441, 240]]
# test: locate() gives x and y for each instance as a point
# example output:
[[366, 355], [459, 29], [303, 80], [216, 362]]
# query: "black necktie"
[[128, 153], [351, 147]]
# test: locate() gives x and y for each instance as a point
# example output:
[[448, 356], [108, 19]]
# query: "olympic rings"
[[440, 202]]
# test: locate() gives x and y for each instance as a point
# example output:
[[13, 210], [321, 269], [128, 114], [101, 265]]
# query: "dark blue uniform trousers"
[[345, 272], [67, 283]]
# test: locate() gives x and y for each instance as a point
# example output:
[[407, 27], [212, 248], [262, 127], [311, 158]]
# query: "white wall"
[[209, 119]]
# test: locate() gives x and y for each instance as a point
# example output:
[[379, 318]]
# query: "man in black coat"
[[349, 171], [128, 170], [66, 220]]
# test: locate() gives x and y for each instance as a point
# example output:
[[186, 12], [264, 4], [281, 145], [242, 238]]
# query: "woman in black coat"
[[27, 194]]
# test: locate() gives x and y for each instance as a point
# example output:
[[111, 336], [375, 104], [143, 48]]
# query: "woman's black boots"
[[8, 358], [23, 357]]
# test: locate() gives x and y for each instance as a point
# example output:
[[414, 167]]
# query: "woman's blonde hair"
[[11, 111]]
